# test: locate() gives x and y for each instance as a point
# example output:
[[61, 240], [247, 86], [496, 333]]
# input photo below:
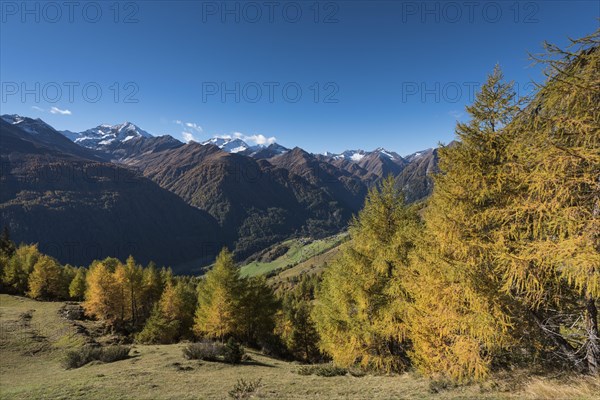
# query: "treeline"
[[151, 305], [501, 266]]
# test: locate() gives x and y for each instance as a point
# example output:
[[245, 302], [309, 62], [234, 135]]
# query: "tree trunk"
[[559, 341], [593, 344], [132, 294]]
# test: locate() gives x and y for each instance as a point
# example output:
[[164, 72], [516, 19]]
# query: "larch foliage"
[[459, 319], [172, 316], [46, 280], [102, 296], [295, 323], [152, 284], [133, 280], [178, 303], [158, 329], [257, 311], [152, 288], [78, 286], [19, 266], [219, 300], [549, 241], [303, 339], [362, 305]]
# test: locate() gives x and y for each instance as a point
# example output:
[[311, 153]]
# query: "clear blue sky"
[[393, 67]]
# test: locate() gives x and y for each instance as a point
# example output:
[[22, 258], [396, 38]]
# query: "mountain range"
[[121, 190]]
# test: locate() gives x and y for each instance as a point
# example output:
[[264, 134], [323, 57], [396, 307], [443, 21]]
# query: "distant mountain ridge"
[[105, 136], [254, 195], [58, 194]]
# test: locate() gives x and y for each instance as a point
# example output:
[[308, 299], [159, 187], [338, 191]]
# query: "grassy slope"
[[313, 265], [298, 252], [31, 354]]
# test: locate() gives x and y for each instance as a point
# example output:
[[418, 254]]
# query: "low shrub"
[[114, 353], [439, 385], [206, 351], [326, 370], [87, 354], [245, 390], [357, 372], [233, 352]]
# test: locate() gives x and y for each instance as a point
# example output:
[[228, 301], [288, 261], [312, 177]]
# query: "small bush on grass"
[[439, 385], [245, 390], [87, 354], [357, 372], [206, 351], [114, 353], [326, 370], [233, 352]]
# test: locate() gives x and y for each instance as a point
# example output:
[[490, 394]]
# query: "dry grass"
[[568, 388], [161, 372]]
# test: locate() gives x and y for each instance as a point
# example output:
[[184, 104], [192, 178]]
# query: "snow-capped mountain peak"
[[105, 135], [29, 125], [119, 131], [237, 145], [361, 156], [131, 130], [230, 145], [389, 154]]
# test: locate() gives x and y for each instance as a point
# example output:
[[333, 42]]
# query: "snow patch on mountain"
[[29, 125], [351, 155], [230, 145], [237, 145], [12, 118], [418, 154], [357, 155]]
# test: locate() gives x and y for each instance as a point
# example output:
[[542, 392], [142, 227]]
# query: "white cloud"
[[189, 125], [194, 126], [188, 137], [36, 108], [250, 139], [260, 139], [189, 128], [56, 110]]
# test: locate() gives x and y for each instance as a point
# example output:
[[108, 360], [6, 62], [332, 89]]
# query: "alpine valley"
[[87, 195]]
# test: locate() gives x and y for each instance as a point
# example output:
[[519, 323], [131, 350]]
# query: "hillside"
[[289, 254], [254, 203], [35, 338], [415, 179], [79, 209], [202, 195]]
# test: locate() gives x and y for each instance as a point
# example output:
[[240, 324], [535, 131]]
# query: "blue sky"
[[369, 73]]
